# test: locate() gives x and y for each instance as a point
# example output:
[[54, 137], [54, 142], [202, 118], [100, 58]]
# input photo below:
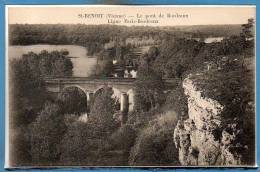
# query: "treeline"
[[94, 37], [26, 79], [212, 30], [28, 93], [179, 56]]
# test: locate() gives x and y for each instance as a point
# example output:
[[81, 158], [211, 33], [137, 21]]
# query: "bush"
[[154, 145], [78, 145], [19, 147], [84, 145], [140, 120], [177, 100], [124, 138], [46, 132]]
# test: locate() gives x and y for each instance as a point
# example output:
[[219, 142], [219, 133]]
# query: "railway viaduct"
[[123, 87]]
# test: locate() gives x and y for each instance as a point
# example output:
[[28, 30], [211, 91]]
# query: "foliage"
[[247, 29], [124, 138], [104, 68], [94, 37], [53, 63], [154, 145], [87, 143], [102, 112], [176, 100], [79, 145], [72, 101], [46, 132], [148, 88], [152, 53], [179, 56], [19, 149], [232, 88], [140, 119], [26, 83]]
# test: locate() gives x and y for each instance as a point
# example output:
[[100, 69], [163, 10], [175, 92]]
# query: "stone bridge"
[[123, 87]]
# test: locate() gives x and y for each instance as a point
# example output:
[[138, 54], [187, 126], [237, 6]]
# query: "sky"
[[157, 15]]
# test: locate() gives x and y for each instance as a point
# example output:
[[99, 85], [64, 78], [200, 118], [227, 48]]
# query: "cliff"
[[206, 137]]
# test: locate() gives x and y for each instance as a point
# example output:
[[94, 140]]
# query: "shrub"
[[19, 149], [124, 138], [46, 133], [177, 100], [140, 120], [154, 145], [78, 144]]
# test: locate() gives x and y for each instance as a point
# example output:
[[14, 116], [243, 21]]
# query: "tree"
[[46, 132], [104, 66], [124, 138], [54, 64], [19, 147], [154, 144], [179, 70], [246, 34], [25, 85], [177, 56], [79, 144], [72, 101], [27, 97], [102, 112], [247, 29], [26, 82], [176, 100], [152, 53], [148, 89]]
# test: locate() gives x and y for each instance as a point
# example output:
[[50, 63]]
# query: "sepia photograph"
[[130, 86]]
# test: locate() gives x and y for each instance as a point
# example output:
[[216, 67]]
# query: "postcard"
[[130, 86]]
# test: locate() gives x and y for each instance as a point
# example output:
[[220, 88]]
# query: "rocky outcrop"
[[205, 138]]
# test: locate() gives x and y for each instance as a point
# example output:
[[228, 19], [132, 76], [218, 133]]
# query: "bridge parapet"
[[169, 81], [56, 84]]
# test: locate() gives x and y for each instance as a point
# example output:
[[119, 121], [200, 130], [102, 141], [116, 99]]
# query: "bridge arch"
[[87, 92], [74, 99], [121, 96], [116, 91], [75, 86]]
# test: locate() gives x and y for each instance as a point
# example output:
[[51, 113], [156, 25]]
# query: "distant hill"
[[212, 30], [95, 36]]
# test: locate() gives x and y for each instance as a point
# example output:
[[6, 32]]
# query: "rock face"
[[203, 139]]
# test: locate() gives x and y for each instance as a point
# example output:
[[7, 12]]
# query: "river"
[[83, 65]]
